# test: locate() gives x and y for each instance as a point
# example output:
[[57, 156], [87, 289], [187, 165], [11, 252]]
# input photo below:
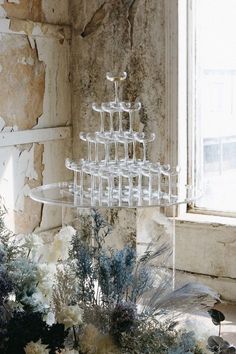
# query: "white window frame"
[[176, 89], [180, 109]]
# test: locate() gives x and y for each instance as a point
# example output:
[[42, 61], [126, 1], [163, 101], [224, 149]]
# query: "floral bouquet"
[[74, 295]]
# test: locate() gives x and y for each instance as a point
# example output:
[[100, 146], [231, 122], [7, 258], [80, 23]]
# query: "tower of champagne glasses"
[[111, 174]]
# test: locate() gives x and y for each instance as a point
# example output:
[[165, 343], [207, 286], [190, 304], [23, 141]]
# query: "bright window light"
[[215, 103]]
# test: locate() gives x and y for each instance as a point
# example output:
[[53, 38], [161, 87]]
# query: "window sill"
[[212, 220]]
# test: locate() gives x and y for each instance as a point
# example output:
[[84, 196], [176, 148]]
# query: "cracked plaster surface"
[[35, 93], [22, 82], [49, 11], [21, 169]]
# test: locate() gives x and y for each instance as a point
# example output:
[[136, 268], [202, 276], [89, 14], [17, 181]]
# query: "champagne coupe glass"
[[71, 165], [77, 167], [111, 109], [98, 108], [129, 173], [83, 136], [172, 173], [155, 169], [117, 191], [146, 172], [106, 174], [106, 141], [118, 108], [125, 139], [165, 171], [131, 108], [95, 175], [116, 77], [137, 169], [144, 139], [92, 139]]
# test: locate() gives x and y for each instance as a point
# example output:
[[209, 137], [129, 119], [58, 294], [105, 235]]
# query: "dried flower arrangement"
[[76, 296]]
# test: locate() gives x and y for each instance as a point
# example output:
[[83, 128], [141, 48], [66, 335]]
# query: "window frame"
[[180, 102]]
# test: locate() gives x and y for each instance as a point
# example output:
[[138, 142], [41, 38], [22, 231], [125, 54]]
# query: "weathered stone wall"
[[35, 93], [123, 35]]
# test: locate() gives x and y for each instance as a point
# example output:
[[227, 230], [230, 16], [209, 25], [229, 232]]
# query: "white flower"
[[38, 298], [36, 348], [46, 272], [33, 243], [70, 316], [46, 276], [67, 232], [49, 318], [68, 351], [60, 246]]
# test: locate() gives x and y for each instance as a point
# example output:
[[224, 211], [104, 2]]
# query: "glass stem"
[[140, 194], [120, 122], [131, 122], [116, 152], [75, 181], [96, 152], [144, 152], [109, 190], [169, 186], [159, 185], [106, 153], [111, 123], [116, 92], [134, 152], [100, 190], [89, 151], [126, 152], [102, 122], [150, 187], [130, 189]]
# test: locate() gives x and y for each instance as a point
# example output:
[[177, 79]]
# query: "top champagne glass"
[[116, 77]]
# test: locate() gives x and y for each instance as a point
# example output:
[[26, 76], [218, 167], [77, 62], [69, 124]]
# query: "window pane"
[[215, 103]]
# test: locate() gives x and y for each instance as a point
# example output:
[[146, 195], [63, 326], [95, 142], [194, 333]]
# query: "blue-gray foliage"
[[186, 343]]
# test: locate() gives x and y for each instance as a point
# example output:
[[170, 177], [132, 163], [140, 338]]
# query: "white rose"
[[36, 348], [70, 316]]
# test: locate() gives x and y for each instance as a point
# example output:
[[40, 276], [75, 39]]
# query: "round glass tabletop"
[[62, 194]]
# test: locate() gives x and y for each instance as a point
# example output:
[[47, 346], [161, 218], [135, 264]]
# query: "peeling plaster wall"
[[35, 93], [49, 11], [22, 82]]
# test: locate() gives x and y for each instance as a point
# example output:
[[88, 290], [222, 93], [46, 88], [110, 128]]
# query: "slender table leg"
[[173, 245]]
